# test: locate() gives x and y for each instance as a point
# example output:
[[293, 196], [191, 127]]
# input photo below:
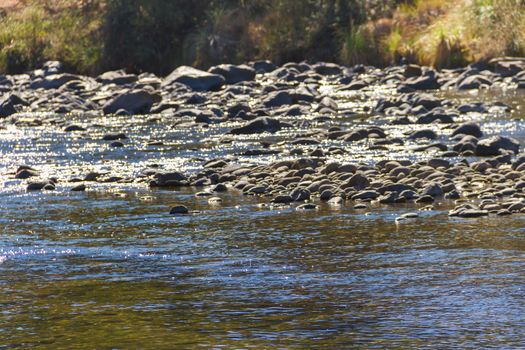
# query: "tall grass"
[[91, 36], [41, 31]]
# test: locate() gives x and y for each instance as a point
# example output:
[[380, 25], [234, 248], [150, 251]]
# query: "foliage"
[[92, 36]]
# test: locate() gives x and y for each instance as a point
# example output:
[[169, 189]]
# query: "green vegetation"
[[91, 36]]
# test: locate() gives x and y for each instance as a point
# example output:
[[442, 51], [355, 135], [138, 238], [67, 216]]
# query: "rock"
[[282, 199], [134, 102], [426, 82], [179, 210], [469, 128], [73, 127], [234, 74], [117, 77], [438, 163], [9, 105], [425, 199], [433, 190], [398, 187], [492, 146], [412, 70], [389, 198], [214, 200], [220, 188], [53, 81], [365, 195], [168, 179], [277, 99], [113, 137], [357, 181], [37, 186], [307, 206], [26, 173], [79, 188], [468, 213], [300, 194], [423, 134], [336, 201], [257, 126], [327, 69], [196, 79], [264, 66], [475, 81], [116, 144]]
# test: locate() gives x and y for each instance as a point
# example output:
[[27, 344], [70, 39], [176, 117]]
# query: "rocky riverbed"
[[300, 135], [256, 206]]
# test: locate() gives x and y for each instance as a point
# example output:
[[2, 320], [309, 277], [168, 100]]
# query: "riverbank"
[[91, 37]]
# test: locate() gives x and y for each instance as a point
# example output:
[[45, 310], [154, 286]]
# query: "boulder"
[[492, 146], [134, 102], [278, 99], [234, 74], [8, 105], [194, 78], [469, 128], [53, 81]]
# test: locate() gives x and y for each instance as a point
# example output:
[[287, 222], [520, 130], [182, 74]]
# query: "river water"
[[110, 268]]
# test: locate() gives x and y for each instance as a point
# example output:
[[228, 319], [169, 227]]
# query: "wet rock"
[[26, 173], [438, 163], [423, 134], [73, 127], [79, 188], [468, 213], [474, 82], [300, 194], [258, 125], [469, 128], [196, 79], [307, 206], [179, 210], [277, 99], [234, 74], [134, 102], [357, 181], [215, 200], [365, 195], [282, 199], [37, 186], [113, 137], [388, 198], [493, 146], [425, 199], [168, 179], [11, 104], [116, 144], [398, 187], [336, 201], [433, 190]]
